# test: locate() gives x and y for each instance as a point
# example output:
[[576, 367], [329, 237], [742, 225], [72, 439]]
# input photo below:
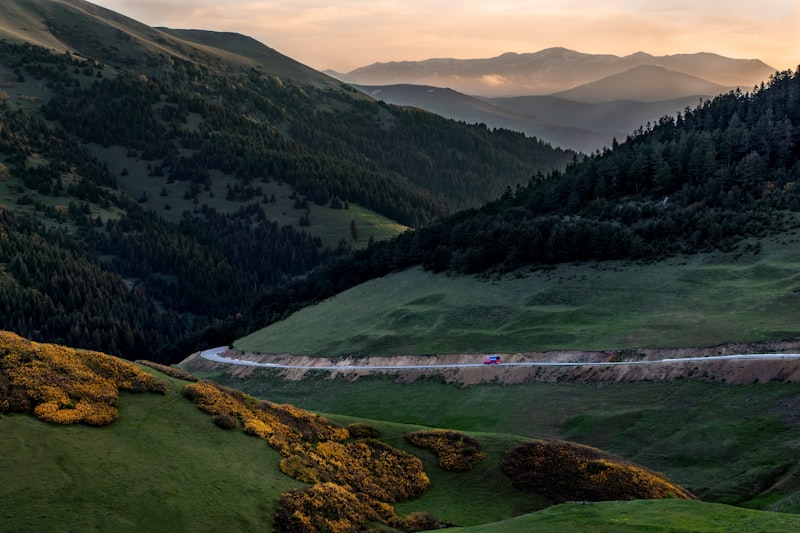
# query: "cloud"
[[494, 80]]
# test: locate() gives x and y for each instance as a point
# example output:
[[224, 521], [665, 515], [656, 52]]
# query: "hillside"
[[585, 127], [154, 183], [719, 177], [161, 457], [563, 123]]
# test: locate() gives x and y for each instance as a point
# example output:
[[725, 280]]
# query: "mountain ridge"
[[644, 83], [549, 70]]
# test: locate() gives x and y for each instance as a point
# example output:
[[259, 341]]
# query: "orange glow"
[[352, 34]]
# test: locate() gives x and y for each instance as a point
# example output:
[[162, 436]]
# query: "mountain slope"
[[645, 83], [580, 126], [711, 178], [156, 182], [457, 106]]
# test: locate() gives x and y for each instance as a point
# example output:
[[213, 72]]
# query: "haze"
[[351, 34]]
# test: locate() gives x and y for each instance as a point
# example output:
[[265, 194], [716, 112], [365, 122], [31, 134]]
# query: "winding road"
[[214, 355]]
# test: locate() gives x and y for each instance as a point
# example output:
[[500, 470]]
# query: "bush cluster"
[[65, 386], [368, 466], [332, 508], [359, 430], [456, 452], [225, 421], [171, 371], [353, 481], [566, 471]]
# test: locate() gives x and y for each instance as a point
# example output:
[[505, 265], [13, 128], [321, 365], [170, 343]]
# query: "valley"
[[614, 228]]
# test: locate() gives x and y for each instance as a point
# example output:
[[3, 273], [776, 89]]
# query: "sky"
[[353, 33]]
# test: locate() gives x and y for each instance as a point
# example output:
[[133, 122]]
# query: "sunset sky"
[[354, 33]]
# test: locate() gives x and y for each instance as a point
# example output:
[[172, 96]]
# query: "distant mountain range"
[[573, 100], [552, 70], [576, 125]]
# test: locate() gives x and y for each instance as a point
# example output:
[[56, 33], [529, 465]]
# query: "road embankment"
[[735, 364]]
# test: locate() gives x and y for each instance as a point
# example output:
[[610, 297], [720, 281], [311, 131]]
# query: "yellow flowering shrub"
[[565, 471], [352, 480], [311, 426], [368, 466], [329, 507], [455, 451], [323, 507], [61, 385]]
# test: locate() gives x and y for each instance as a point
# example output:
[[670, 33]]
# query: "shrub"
[[456, 452], [65, 386], [225, 421], [324, 507], [360, 430], [419, 521], [369, 466], [565, 471], [314, 451], [311, 426]]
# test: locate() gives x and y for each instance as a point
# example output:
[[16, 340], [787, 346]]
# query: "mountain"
[[154, 183], [623, 93], [551, 70], [535, 121], [645, 83], [570, 124], [713, 177]]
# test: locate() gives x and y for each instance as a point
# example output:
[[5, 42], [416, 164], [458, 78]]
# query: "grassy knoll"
[[725, 443], [643, 515], [699, 300], [452, 496], [163, 466]]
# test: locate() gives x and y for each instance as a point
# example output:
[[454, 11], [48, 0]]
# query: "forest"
[[706, 179], [86, 263]]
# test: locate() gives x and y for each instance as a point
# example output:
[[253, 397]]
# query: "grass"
[[699, 300], [451, 496], [162, 466], [643, 516], [725, 443]]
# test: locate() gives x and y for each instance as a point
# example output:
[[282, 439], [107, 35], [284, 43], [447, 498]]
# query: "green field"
[[163, 466], [726, 443], [644, 515], [700, 300]]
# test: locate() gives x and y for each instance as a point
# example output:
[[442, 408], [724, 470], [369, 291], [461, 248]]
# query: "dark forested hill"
[[146, 175], [710, 178]]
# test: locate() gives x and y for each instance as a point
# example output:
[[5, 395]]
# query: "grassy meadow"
[[725, 443], [163, 466], [699, 300], [653, 516]]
